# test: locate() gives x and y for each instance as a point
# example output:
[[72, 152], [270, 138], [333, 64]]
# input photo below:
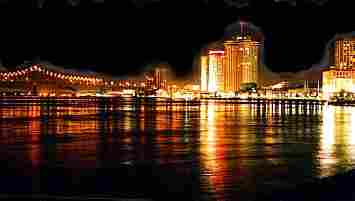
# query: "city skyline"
[[136, 73], [326, 61], [180, 100], [234, 69], [88, 47]]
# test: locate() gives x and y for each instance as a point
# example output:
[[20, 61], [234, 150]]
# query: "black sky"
[[119, 38]]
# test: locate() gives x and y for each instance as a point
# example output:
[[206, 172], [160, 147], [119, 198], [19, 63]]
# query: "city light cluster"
[[232, 72], [37, 80], [230, 69], [339, 80]]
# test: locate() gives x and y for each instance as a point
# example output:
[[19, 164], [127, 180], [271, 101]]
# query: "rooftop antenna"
[[241, 28]]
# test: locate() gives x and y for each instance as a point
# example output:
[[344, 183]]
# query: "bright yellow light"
[[327, 140], [204, 73], [162, 93], [328, 127], [352, 130], [195, 87], [129, 92], [243, 96], [214, 70], [208, 141]]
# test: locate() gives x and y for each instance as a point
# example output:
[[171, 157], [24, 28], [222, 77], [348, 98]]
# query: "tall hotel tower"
[[229, 69], [242, 58], [341, 77], [204, 73], [345, 53], [215, 70]]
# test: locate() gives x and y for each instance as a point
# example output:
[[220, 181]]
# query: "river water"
[[211, 150]]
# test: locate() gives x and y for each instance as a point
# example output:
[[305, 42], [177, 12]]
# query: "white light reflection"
[[352, 130], [327, 141], [351, 133], [208, 145], [211, 133]]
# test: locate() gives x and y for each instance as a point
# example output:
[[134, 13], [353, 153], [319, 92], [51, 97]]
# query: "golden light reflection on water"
[[352, 130], [34, 132], [327, 140], [337, 140], [209, 147], [234, 144]]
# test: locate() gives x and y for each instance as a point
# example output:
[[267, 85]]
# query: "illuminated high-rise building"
[[161, 77], [242, 58], [345, 53], [204, 73], [340, 77], [336, 80], [215, 71]]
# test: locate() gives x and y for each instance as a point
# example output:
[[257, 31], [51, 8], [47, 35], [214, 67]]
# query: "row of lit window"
[[342, 74]]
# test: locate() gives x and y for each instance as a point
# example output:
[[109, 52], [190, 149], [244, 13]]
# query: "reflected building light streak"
[[352, 130], [270, 110], [143, 120], [33, 152], [327, 141], [211, 128], [350, 140], [208, 143], [126, 122], [293, 109], [328, 138]]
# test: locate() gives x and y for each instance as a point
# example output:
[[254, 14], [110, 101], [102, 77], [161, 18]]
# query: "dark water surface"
[[200, 151]]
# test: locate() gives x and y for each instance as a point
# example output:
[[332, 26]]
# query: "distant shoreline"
[[170, 100]]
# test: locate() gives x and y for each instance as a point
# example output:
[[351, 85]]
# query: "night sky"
[[119, 38]]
